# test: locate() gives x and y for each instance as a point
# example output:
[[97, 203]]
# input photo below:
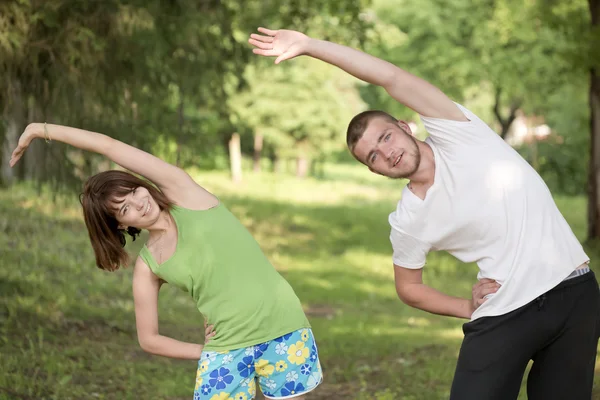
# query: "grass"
[[67, 329]]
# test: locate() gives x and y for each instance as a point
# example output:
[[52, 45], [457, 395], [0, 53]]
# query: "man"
[[471, 194]]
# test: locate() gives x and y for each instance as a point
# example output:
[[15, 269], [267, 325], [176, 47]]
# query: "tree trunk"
[[235, 158], [317, 168], [505, 123], [258, 145], [35, 156], [302, 165], [181, 122], [14, 117], [276, 163], [594, 169]]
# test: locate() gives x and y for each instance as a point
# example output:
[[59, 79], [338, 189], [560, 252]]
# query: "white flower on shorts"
[[291, 376], [209, 356], [249, 351], [313, 380], [227, 359], [281, 348], [245, 381], [271, 384]]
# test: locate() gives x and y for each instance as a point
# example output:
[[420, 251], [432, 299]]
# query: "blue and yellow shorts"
[[285, 367]]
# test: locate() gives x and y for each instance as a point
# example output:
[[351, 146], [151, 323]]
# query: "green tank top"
[[232, 282]]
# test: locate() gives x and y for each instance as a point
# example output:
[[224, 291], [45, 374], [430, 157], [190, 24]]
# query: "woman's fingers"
[[16, 155], [208, 332]]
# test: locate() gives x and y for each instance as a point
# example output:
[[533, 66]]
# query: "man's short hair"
[[359, 124]]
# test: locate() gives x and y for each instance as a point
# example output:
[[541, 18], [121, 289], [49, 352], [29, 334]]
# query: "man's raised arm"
[[406, 88]]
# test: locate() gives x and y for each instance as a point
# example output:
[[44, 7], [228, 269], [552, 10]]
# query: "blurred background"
[[178, 78]]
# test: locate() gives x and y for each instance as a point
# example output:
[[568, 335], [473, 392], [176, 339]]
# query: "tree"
[[57, 59], [498, 46], [156, 74], [301, 108], [578, 23]]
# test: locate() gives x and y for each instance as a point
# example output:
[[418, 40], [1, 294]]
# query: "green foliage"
[[149, 73], [497, 56], [301, 107], [563, 158], [458, 45]]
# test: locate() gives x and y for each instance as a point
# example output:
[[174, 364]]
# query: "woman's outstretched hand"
[[283, 44], [32, 131]]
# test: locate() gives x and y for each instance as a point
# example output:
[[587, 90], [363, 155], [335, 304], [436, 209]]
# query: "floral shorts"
[[285, 367]]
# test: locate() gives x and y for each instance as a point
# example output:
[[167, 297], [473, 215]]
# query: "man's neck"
[[425, 174]]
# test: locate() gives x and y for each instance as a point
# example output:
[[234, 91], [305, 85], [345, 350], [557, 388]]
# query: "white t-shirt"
[[486, 205]]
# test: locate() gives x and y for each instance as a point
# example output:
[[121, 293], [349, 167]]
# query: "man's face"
[[388, 149]]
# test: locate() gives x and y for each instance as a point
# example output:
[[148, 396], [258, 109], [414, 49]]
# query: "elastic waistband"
[[577, 272]]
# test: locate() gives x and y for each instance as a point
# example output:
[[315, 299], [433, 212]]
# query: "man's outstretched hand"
[[282, 43]]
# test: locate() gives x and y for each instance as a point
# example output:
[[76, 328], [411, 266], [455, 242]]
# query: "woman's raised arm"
[[173, 181]]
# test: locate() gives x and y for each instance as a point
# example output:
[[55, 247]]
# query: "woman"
[[196, 244]]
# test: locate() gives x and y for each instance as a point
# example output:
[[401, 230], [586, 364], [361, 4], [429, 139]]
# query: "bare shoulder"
[[142, 272], [189, 194]]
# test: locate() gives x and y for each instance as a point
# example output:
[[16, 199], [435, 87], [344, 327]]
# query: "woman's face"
[[137, 209]]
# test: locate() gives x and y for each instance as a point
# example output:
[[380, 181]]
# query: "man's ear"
[[405, 127]]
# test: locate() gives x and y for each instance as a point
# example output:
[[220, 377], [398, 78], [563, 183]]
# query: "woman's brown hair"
[[108, 241]]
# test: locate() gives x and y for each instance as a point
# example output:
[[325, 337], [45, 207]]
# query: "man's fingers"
[[486, 283], [490, 286], [283, 57], [260, 45], [485, 291], [269, 32], [261, 38], [268, 53], [483, 281]]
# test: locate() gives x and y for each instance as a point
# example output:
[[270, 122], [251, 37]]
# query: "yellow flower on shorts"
[[221, 396], [203, 366], [198, 381], [280, 366], [252, 387], [304, 335], [298, 353], [240, 396], [263, 368]]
